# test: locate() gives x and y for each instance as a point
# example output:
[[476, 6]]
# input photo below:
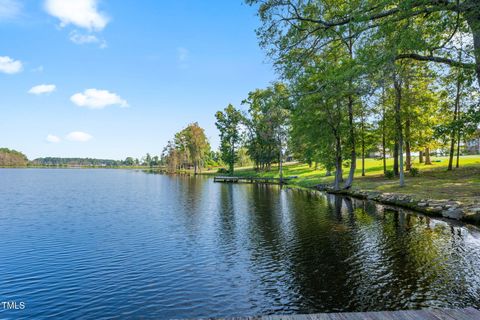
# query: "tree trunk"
[[281, 171], [232, 161], [455, 117], [395, 158], [427, 156], [363, 159], [407, 105], [384, 153], [338, 163], [280, 161], [452, 152], [363, 147], [353, 164], [420, 156], [459, 115], [458, 150], [384, 156], [408, 150], [398, 127]]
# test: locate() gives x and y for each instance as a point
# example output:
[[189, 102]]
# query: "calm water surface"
[[95, 244]]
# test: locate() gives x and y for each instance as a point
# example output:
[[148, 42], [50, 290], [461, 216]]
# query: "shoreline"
[[450, 209], [440, 208]]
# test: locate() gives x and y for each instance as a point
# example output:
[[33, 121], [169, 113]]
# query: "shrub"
[[389, 174], [414, 172], [222, 171]]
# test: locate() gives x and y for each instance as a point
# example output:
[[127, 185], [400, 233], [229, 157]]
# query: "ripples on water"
[[112, 243]]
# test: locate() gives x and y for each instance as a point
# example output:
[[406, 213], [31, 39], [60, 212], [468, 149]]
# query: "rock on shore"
[[444, 208]]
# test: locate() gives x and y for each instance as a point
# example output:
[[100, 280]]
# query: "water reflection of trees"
[[413, 263], [346, 254], [226, 215], [291, 250], [316, 270], [191, 194], [267, 242]]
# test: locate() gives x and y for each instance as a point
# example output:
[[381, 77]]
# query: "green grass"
[[433, 182]]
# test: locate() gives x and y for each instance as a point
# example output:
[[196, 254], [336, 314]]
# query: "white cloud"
[[53, 138], [83, 38], [42, 89], [38, 69], [78, 136], [97, 99], [81, 13], [78, 38], [10, 66], [9, 9]]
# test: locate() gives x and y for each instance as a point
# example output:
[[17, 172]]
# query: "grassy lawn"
[[433, 182]]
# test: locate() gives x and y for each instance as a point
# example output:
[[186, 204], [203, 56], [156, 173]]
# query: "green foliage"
[[189, 148], [12, 158], [267, 124], [229, 124], [358, 81], [147, 160], [434, 182], [389, 174], [77, 162], [414, 171], [129, 161], [197, 144], [243, 158]]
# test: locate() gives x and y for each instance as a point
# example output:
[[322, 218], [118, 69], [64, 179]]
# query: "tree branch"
[[427, 7], [450, 62]]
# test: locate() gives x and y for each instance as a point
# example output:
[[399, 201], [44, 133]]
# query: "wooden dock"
[[430, 314], [233, 179]]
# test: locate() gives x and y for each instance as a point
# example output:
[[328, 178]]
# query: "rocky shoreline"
[[440, 208]]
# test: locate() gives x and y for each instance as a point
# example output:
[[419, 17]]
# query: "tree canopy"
[[368, 78], [189, 148], [12, 158]]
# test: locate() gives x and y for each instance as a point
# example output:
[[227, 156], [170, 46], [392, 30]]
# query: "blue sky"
[[111, 79]]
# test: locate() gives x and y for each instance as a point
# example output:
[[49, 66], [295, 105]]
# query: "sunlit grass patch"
[[433, 181]]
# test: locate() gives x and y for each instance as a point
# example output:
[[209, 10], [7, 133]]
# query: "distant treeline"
[[146, 161], [12, 158], [74, 162]]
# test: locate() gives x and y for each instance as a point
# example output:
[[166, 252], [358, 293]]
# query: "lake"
[[98, 244]]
